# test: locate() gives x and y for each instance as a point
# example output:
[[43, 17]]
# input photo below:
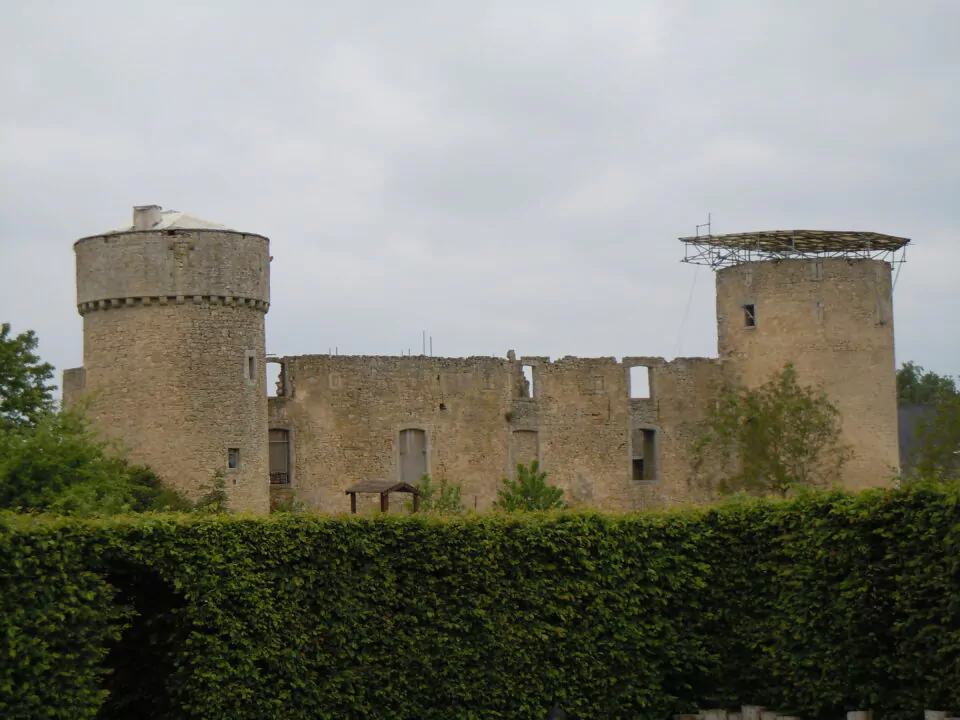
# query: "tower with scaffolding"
[[822, 300]]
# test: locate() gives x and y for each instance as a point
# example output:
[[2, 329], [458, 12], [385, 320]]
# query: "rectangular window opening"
[[750, 315], [279, 456], [526, 383], [233, 458], [597, 384], [639, 382], [251, 367], [276, 378], [644, 461]]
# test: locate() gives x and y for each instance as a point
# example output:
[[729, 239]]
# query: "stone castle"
[[174, 367]]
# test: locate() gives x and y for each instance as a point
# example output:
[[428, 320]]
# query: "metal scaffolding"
[[720, 251]]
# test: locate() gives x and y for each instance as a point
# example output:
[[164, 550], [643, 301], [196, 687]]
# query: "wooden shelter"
[[383, 488]]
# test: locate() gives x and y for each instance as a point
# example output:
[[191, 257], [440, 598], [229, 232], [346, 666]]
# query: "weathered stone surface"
[[174, 326], [835, 323], [345, 415], [171, 381]]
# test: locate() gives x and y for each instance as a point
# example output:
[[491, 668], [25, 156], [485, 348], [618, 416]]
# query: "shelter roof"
[[803, 241], [382, 486]]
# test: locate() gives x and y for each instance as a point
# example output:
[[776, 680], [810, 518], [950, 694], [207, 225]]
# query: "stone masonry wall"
[[174, 351], [833, 318], [345, 414], [172, 263], [169, 383]]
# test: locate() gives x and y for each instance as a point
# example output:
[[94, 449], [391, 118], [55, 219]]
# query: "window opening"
[[644, 460], [279, 456], [251, 367], [527, 386], [597, 384], [233, 458], [413, 455], [750, 315], [276, 378], [639, 382]]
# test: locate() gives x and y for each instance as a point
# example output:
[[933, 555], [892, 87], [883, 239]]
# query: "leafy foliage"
[[442, 499], [771, 440], [816, 605], [937, 455], [529, 491], [214, 498], [918, 386], [57, 465], [25, 395]]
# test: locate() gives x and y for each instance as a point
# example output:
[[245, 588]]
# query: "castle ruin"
[[174, 367]]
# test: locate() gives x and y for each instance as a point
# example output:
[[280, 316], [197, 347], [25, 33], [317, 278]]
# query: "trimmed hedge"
[[818, 605]]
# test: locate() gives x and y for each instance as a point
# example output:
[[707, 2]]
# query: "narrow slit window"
[[251, 367], [233, 458], [639, 382], [750, 315]]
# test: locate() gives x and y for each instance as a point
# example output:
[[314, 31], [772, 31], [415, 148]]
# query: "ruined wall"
[[833, 318], [345, 415], [174, 369]]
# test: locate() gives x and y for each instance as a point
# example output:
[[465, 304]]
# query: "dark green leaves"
[[820, 604]]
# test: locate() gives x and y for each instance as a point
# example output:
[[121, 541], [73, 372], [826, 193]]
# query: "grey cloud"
[[502, 174]]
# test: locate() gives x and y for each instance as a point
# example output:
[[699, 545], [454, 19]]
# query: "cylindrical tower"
[[823, 301], [173, 346]]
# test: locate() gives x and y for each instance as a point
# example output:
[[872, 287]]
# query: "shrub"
[[529, 491], [442, 499], [820, 604]]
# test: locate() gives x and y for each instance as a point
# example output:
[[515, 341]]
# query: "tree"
[[917, 386], [937, 455], [773, 439], [442, 499], [529, 491], [215, 499], [57, 465], [25, 395]]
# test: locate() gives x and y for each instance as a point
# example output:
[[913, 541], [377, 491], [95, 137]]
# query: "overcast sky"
[[500, 174]]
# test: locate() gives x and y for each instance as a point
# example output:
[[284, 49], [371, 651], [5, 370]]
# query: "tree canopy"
[[50, 458], [25, 392], [923, 387], [772, 439]]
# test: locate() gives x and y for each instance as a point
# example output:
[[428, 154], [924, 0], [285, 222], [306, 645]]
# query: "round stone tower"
[[173, 348], [823, 301]]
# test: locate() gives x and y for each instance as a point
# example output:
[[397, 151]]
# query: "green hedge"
[[817, 605]]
